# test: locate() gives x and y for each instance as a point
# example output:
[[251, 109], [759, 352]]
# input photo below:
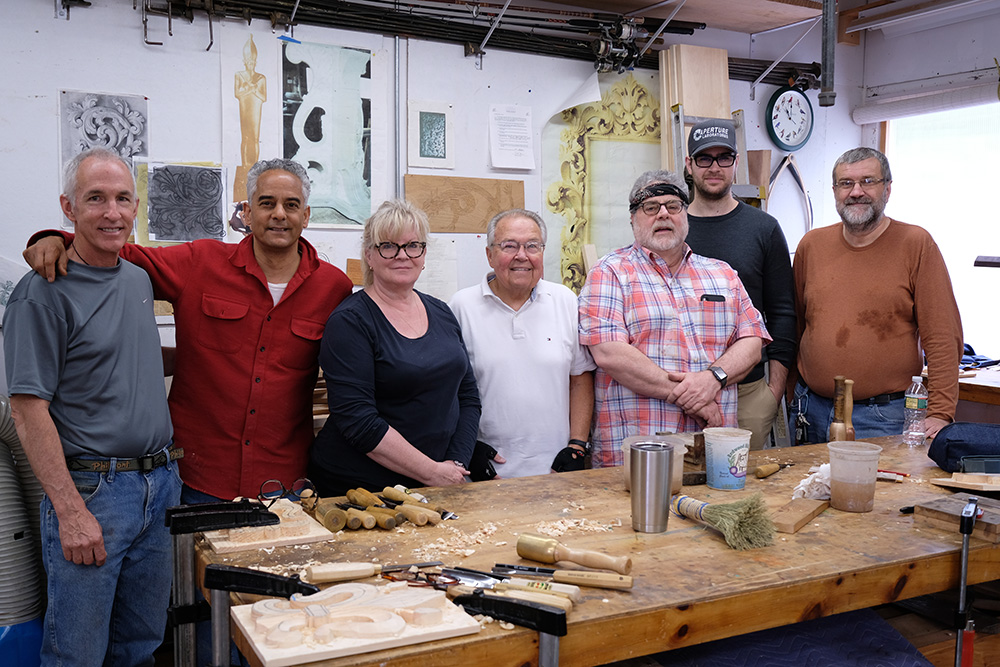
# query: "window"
[[945, 179]]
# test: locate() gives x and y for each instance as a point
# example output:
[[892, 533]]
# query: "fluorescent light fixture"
[[909, 16]]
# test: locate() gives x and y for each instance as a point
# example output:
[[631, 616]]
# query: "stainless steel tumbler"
[[650, 464]]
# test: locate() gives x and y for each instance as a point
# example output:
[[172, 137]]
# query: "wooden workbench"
[[689, 586], [979, 396]]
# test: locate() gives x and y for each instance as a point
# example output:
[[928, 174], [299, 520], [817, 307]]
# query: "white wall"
[[101, 49]]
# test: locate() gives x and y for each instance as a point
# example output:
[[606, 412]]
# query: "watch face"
[[789, 118]]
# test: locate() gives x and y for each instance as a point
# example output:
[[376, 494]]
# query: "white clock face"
[[791, 118]]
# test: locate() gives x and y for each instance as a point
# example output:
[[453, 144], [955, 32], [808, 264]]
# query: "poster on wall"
[[115, 121], [327, 128], [251, 105], [429, 135], [184, 202]]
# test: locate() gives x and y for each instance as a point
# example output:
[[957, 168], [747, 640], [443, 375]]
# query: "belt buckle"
[[147, 462]]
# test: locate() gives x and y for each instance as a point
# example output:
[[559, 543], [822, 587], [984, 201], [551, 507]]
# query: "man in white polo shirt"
[[536, 381]]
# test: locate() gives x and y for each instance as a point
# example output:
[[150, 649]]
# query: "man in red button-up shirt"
[[249, 320]]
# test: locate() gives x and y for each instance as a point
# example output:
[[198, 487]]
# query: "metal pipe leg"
[[548, 650], [185, 649], [220, 628]]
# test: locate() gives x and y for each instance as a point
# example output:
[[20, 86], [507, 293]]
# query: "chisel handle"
[[325, 572], [593, 579], [392, 493], [413, 514], [385, 519], [357, 519]]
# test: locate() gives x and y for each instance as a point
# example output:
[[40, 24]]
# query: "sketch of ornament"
[[113, 125], [185, 203]]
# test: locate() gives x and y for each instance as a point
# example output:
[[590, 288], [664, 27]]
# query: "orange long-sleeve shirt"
[[866, 313]]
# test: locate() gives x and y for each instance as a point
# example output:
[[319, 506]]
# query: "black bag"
[[967, 447]]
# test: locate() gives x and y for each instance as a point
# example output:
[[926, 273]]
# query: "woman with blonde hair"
[[404, 406]]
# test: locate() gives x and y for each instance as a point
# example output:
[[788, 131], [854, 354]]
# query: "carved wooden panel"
[[455, 204]]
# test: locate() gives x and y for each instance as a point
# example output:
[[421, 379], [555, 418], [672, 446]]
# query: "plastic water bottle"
[[914, 412]]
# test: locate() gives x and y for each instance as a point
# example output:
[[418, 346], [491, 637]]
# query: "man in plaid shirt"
[[671, 331]]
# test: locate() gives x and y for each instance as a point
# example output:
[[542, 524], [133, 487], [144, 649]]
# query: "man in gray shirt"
[[85, 374]]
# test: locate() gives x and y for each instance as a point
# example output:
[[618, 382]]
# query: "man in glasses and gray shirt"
[[873, 297]]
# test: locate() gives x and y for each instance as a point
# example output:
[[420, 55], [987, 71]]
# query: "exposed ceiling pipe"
[[827, 95]]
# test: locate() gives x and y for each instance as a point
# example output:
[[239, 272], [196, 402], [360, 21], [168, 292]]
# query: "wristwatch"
[[719, 374], [581, 443]]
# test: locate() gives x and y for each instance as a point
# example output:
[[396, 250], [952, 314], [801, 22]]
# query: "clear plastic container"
[[914, 413]]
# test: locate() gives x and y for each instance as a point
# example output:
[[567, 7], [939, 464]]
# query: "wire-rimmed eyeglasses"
[[867, 184], [390, 250], [511, 247], [705, 161], [427, 579], [302, 490]]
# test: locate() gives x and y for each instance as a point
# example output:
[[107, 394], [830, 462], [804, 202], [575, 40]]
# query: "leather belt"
[[142, 463], [881, 399]]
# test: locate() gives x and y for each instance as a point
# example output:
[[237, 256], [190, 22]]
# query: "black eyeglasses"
[[867, 184], [425, 579], [511, 247], [302, 490], [705, 161], [390, 250], [653, 207]]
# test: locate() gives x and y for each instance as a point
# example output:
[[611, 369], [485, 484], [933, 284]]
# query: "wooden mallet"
[[548, 550]]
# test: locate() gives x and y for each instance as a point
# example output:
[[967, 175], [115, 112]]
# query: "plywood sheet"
[[296, 527], [348, 619], [697, 77], [456, 204], [945, 513]]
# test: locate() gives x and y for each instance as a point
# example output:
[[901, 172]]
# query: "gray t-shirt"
[[88, 344]]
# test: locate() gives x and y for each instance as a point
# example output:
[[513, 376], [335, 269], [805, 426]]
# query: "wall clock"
[[789, 118]]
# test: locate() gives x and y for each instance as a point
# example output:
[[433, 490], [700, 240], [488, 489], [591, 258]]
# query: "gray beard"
[[859, 223]]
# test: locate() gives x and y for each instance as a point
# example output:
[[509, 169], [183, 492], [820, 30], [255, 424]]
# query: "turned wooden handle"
[[360, 519], [849, 408], [412, 514], [620, 564]]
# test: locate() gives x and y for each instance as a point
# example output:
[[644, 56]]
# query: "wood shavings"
[[506, 626], [455, 543], [562, 526]]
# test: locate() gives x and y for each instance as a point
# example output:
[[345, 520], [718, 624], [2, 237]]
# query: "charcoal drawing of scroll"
[[186, 203]]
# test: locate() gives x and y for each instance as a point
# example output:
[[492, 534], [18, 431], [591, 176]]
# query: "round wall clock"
[[789, 118]]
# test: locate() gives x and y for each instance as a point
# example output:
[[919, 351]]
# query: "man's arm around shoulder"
[[79, 531]]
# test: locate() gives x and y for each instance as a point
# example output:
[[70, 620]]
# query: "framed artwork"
[[327, 128], [429, 135]]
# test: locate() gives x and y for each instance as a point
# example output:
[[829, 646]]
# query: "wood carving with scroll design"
[[455, 204], [347, 619], [626, 112]]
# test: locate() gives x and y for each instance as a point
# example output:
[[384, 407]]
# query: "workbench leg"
[[220, 628], [548, 650], [183, 597]]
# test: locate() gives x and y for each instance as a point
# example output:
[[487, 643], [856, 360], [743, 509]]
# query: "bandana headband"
[[655, 190]]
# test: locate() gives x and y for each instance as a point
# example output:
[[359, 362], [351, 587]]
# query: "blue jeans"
[[114, 614], [870, 421]]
